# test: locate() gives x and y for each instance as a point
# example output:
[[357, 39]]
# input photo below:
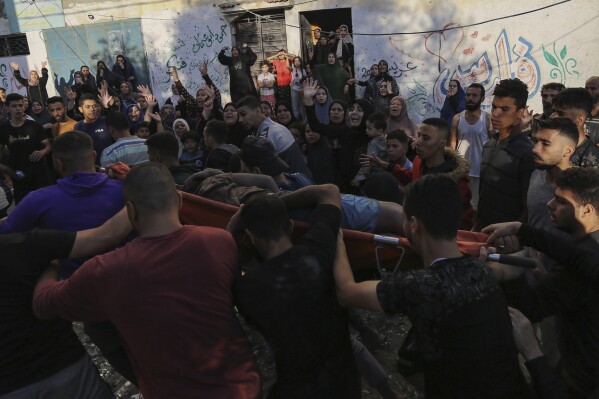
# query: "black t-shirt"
[[462, 328], [21, 142], [31, 349], [291, 299]]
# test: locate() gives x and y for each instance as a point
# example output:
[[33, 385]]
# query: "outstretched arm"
[[349, 293]]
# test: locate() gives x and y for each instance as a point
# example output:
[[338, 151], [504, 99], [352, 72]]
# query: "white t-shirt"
[[264, 79]]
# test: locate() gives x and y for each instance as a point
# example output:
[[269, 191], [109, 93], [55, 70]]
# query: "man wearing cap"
[[258, 156], [251, 117]]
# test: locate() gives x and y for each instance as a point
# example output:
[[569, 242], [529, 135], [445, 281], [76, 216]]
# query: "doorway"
[[326, 20]]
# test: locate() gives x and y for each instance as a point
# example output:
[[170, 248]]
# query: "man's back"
[[77, 202], [128, 150], [170, 298], [291, 299], [462, 328]]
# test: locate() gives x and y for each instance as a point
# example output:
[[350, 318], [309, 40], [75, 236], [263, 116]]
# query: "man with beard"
[[239, 64], [548, 93], [470, 130], [458, 312], [592, 86]]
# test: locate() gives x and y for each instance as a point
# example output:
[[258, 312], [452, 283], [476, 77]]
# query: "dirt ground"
[[393, 329]]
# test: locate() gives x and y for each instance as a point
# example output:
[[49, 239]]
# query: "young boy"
[[143, 130], [192, 154], [377, 146], [397, 148], [266, 83]]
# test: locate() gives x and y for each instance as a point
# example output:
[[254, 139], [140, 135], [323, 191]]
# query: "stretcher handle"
[[386, 240]]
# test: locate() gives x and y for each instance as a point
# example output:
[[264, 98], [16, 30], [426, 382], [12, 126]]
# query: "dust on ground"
[[393, 329]]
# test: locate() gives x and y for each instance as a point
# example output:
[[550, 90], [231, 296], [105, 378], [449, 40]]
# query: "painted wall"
[[556, 44], [34, 15], [27, 63], [185, 40], [71, 47]]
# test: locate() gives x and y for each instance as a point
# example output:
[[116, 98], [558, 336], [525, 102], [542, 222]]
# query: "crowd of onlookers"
[[90, 185]]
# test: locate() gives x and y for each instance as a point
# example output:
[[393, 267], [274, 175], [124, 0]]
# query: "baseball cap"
[[259, 152]]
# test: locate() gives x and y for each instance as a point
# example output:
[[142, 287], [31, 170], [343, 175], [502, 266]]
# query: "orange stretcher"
[[364, 250]]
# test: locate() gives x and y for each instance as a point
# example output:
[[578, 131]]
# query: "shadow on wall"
[[423, 64], [197, 34], [71, 47]]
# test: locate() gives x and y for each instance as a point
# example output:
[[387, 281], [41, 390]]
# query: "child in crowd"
[[192, 154], [142, 130], [297, 130], [397, 148], [266, 83], [377, 146]]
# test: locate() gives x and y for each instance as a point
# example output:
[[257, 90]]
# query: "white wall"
[[33, 61]]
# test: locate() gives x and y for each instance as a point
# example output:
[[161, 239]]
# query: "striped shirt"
[[128, 150]]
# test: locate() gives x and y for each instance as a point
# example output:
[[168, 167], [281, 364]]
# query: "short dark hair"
[[478, 86], [73, 149], [378, 119], [440, 124], [266, 217], [151, 188], [512, 88], [434, 200], [165, 144], [564, 126], [576, 98], [583, 183], [398, 135], [142, 125], [13, 97], [85, 97], [552, 86], [218, 130], [190, 136], [55, 99], [2, 89], [248, 101], [117, 120]]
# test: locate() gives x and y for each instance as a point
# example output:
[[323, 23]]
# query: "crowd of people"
[[90, 199]]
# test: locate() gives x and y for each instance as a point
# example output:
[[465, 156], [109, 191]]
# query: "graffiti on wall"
[[186, 46], [563, 66]]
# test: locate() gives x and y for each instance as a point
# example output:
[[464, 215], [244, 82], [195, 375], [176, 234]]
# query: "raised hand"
[[14, 66], [155, 116], [145, 90], [310, 87], [104, 97], [225, 48], [68, 91], [174, 74], [203, 68], [526, 118], [209, 91], [44, 64]]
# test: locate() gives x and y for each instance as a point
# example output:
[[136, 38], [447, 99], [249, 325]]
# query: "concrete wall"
[[33, 61]]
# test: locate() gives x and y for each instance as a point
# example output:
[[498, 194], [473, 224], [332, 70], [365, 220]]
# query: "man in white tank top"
[[470, 129]]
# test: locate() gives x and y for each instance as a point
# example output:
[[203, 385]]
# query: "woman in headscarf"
[[267, 110], [103, 74], [284, 114], [39, 113], [455, 101], [333, 76], [344, 46], [322, 104], [351, 136], [123, 68], [372, 84], [237, 133], [125, 94], [134, 116], [399, 119], [36, 86], [239, 63]]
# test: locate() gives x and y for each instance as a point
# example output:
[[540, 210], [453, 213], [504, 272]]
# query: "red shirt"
[[170, 297], [283, 72]]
